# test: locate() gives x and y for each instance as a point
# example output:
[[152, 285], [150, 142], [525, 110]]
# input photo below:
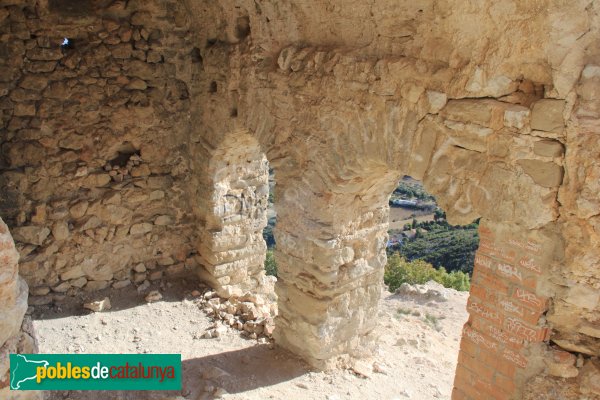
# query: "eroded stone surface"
[[146, 144], [16, 333]]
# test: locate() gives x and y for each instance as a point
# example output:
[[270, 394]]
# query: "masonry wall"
[[93, 148], [114, 161]]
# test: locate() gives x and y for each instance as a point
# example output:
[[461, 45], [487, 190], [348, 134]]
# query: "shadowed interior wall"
[[94, 158]]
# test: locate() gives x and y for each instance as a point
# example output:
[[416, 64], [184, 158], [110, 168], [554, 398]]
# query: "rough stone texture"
[[94, 166], [146, 143], [231, 247], [546, 116], [13, 289], [16, 333]]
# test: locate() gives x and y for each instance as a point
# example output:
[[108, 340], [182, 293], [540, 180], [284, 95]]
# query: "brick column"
[[500, 341]]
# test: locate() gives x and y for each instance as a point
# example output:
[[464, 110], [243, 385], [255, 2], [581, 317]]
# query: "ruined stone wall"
[[491, 105], [94, 158], [477, 156]]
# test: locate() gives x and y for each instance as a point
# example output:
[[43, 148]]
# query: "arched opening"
[[500, 127], [419, 230], [268, 232], [427, 276]]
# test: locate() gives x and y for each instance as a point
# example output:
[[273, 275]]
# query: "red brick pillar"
[[505, 327]]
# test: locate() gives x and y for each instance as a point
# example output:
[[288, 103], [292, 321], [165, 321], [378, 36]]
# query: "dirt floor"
[[419, 333]]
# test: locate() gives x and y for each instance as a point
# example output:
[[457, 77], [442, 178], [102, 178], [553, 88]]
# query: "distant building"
[[404, 203]]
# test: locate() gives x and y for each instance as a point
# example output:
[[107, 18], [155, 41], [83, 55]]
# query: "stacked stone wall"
[[115, 151], [95, 102]]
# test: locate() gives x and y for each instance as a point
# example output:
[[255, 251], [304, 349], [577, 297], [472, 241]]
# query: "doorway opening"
[[427, 278]]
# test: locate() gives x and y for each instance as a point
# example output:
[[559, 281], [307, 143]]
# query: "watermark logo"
[[95, 371]]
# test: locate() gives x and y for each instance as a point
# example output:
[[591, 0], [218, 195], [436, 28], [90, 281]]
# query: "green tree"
[[270, 265], [444, 245], [399, 271]]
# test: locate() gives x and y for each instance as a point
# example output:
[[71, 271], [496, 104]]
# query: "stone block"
[[72, 272], [423, 149], [516, 116], [79, 282], [58, 91], [436, 100], [140, 69], [545, 174], [94, 286], [561, 364], [547, 115], [60, 230], [137, 84], [98, 272], [24, 110], [590, 377], [140, 229], [44, 54], [583, 296], [121, 51], [34, 82], [38, 67], [469, 136], [163, 220], [11, 315], [78, 209], [31, 234], [489, 113], [548, 148], [24, 95]]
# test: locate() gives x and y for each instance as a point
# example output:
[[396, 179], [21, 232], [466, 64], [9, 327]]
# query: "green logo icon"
[[95, 371]]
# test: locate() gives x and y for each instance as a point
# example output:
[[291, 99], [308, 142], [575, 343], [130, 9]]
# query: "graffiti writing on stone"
[[510, 271], [478, 338], [484, 312], [529, 245], [503, 337], [529, 298], [530, 264], [517, 328], [515, 358]]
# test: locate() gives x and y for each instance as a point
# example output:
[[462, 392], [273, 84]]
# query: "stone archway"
[[503, 160], [504, 129]]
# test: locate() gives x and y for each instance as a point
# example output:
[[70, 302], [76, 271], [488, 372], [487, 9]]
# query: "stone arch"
[[231, 247], [502, 160], [460, 113]]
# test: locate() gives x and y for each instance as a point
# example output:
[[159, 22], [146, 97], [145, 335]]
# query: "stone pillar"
[[330, 258], [231, 246], [16, 334]]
